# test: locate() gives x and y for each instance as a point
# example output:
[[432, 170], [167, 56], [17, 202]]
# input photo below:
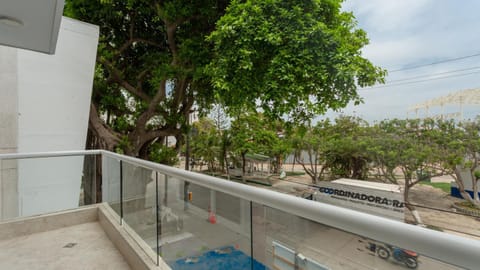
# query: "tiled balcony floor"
[[90, 249]]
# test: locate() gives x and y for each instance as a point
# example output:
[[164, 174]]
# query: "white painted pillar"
[[8, 132]]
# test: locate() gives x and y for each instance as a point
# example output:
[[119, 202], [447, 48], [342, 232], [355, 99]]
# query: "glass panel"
[[285, 241], [139, 205], [438, 217], [8, 189], [208, 230], [88, 193], [445, 220], [111, 183], [203, 199], [36, 186]]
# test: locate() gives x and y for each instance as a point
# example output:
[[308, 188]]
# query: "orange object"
[[190, 196], [211, 217]]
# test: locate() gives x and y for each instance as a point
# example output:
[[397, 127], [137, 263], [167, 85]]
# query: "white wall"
[[8, 131], [54, 91], [8, 100], [54, 94]]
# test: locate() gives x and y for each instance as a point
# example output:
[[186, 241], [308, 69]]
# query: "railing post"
[[94, 180], [186, 186], [251, 236], [121, 192], [165, 196], [157, 208]]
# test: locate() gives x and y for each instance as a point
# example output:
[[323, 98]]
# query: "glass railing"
[[195, 221], [287, 241], [205, 229], [38, 184], [432, 216]]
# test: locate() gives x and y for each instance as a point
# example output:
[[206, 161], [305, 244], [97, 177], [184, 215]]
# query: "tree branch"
[[101, 130], [150, 135], [152, 105], [116, 76], [172, 44]]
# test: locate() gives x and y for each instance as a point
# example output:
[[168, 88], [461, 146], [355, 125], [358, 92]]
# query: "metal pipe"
[[49, 154]]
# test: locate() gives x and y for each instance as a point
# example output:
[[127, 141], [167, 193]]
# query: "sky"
[[407, 33]]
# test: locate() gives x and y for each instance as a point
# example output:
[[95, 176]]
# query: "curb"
[[464, 210]]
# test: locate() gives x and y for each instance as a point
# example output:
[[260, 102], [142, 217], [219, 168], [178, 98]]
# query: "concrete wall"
[[8, 100], [8, 131], [54, 91], [51, 114]]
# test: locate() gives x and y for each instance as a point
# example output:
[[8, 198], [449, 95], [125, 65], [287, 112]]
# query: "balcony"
[[152, 216]]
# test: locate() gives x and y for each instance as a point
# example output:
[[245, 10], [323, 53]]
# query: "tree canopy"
[[149, 67], [290, 58], [157, 60]]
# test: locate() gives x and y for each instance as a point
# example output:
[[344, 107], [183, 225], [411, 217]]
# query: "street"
[[331, 247]]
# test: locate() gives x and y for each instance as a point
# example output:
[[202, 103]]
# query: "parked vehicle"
[[407, 257], [381, 199]]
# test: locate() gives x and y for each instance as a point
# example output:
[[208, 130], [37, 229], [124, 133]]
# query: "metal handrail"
[[50, 154], [452, 249]]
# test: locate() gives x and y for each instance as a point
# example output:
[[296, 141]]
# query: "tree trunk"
[[98, 177], [94, 142], [411, 208], [293, 165], [308, 171], [461, 187], [227, 166], [102, 136], [279, 164], [143, 153], [475, 191], [474, 185], [243, 167]]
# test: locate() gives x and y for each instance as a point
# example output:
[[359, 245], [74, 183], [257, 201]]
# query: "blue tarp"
[[455, 192], [225, 258]]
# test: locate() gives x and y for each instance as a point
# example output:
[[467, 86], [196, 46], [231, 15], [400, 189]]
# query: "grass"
[[433, 227], [467, 205], [294, 173], [445, 187]]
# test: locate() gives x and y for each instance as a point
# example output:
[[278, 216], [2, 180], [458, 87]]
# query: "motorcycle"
[[408, 257]]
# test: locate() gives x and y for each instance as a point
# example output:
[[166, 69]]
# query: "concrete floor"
[[83, 246]]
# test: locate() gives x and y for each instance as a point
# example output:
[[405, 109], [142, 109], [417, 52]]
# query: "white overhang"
[[31, 25]]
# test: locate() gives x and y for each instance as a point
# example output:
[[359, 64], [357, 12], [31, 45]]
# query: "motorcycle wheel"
[[411, 263], [383, 253]]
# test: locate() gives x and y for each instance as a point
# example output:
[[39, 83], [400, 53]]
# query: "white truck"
[[375, 198]]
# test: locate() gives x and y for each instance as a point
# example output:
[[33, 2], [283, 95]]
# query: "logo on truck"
[[361, 197]]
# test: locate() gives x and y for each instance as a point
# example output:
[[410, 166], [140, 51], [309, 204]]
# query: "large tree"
[[471, 161], [205, 143], [345, 152], [419, 148], [460, 145], [332, 150], [289, 58], [156, 59], [309, 144], [149, 68], [252, 133]]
